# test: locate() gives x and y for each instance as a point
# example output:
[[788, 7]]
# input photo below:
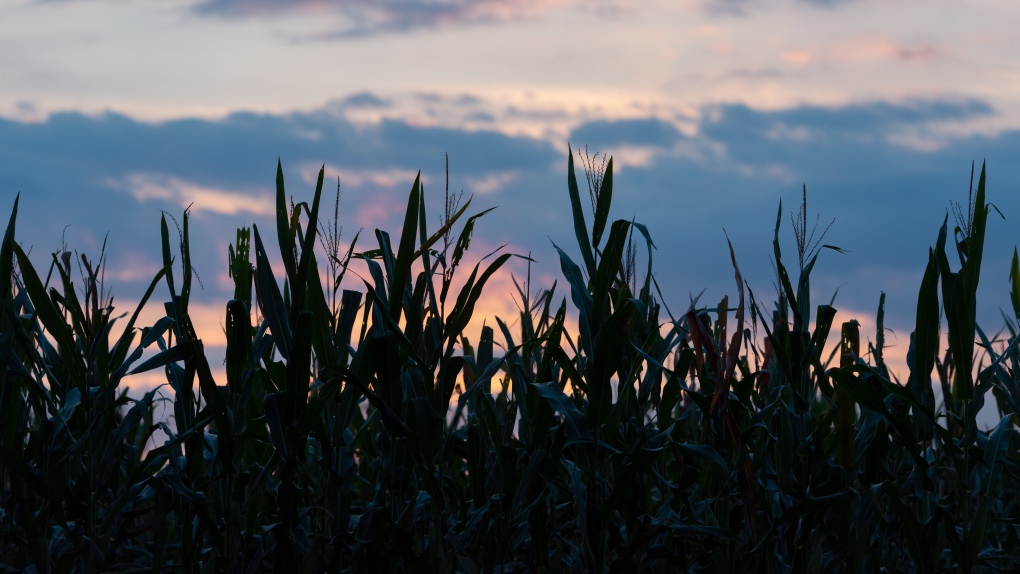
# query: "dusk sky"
[[713, 110]]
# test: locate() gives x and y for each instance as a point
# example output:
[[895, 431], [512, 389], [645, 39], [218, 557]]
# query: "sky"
[[714, 111]]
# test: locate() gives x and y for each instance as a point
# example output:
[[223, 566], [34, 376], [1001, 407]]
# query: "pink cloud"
[[798, 56], [864, 48], [920, 53]]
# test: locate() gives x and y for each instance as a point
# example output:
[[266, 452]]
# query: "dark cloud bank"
[[888, 199]]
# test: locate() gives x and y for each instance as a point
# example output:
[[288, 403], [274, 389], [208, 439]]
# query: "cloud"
[[632, 142], [638, 132], [490, 183], [828, 3], [863, 48], [363, 100], [749, 132], [359, 178], [369, 17], [149, 186], [745, 7], [726, 7]]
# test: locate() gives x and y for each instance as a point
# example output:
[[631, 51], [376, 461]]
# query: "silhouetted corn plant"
[[370, 432]]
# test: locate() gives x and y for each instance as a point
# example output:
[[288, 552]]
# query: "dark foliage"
[[358, 433]]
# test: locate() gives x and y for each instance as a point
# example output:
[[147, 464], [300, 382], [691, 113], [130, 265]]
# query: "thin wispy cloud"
[[146, 187], [371, 17], [862, 48], [746, 7]]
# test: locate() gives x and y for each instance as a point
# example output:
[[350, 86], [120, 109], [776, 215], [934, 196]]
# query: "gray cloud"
[[643, 132], [829, 3], [745, 7], [363, 100], [369, 17]]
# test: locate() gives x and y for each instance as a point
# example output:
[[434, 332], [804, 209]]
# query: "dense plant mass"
[[355, 431]]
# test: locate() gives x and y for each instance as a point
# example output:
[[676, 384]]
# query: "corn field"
[[364, 431]]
